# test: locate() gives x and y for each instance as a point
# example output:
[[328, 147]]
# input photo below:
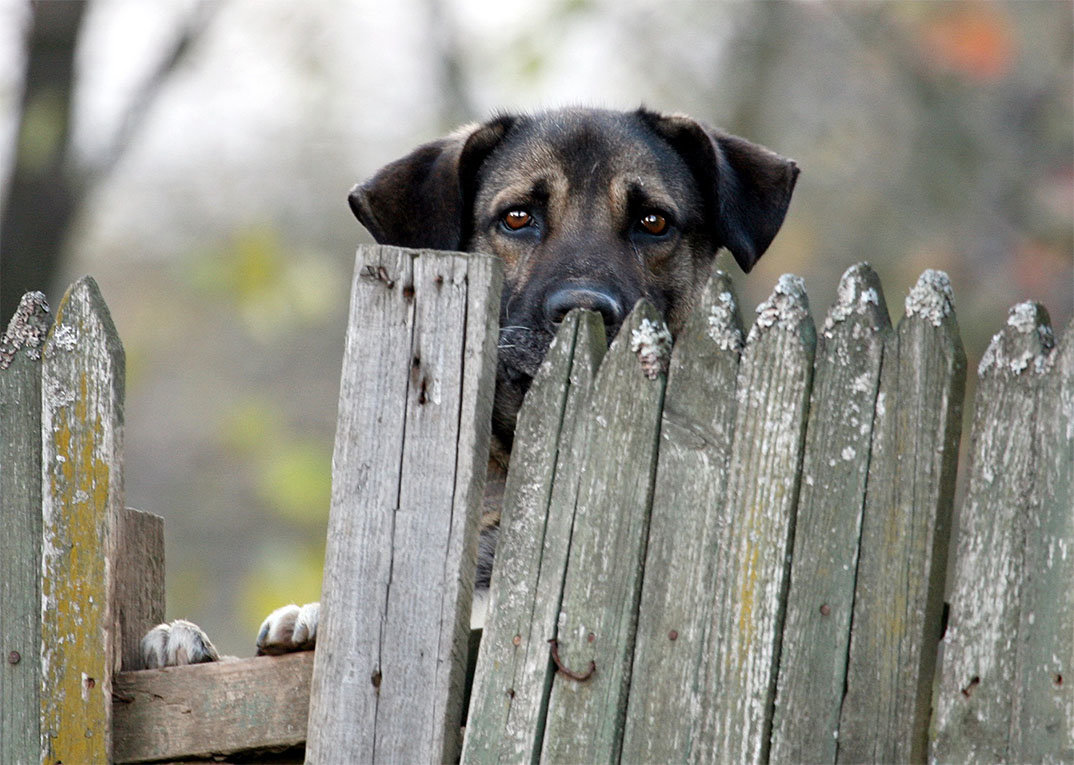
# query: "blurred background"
[[194, 157]]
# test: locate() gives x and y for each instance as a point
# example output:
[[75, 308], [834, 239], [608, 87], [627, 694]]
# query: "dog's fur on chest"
[[587, 208]]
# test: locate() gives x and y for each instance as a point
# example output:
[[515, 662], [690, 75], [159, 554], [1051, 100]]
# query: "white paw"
[[289, 628], [176, 644]]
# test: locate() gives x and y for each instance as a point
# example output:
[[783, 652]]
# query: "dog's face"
[[586, 208]]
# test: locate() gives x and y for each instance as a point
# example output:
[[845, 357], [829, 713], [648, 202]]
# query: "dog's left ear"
[[425, 199], [748, 186]]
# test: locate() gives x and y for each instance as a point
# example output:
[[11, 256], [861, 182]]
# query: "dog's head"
[[587, 208]]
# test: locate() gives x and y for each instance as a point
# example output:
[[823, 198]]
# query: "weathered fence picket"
[[898, 599], [595, 633], [514, 674], [686, 529], [20, 543], [82, 425], [747, 564], [812, 663], [991, 630], [408, 475], [773, 400]]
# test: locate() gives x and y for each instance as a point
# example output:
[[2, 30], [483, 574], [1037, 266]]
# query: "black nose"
[[562, 300]]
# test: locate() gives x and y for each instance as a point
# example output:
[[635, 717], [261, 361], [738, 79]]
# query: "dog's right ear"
[[425, 199]]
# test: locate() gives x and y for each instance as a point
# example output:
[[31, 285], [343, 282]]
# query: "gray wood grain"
[[139, 571], [365, 493], [216, 709], [686, 529], [773, 398], [905, 530], [1043, 725], [82, 384], [20, 543], [978, 687], [813, 660], [387, 679], [603, 583], [513, 674]]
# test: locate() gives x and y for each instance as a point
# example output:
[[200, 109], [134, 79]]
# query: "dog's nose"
[[560, 302]]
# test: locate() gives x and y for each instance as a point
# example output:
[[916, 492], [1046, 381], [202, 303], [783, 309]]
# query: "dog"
[[586, 208]]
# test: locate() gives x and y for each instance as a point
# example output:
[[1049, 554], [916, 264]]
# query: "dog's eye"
[[516, 219], [654, 223]]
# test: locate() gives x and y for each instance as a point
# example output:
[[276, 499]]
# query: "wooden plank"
[[82, 421], [816, 632], [978, 688], [773, 397], [513, 676], [685, 532], [1044, 719], [595, 629], [903, 558], [387, 680], [139, 598], [365, 493], [211, 710], [20, 544]]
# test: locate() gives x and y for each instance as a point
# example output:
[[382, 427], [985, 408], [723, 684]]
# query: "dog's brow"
[[526, 191], [648, 193]]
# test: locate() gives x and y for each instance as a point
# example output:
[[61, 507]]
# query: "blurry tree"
[[48, 187]]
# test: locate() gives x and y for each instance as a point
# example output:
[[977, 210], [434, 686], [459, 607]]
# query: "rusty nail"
[[591, 637], [581, 678], [673, 635], [375, 678], [90, 682], [517, 640], [825, 609], [14, 657]]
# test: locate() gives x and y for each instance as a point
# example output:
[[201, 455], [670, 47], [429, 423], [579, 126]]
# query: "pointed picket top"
[[27, 329], [859, 294], [1025, 343], [787, 308], [931, 297]]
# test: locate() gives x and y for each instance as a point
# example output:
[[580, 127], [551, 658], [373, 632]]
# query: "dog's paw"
[[289, 628], [176, 644]]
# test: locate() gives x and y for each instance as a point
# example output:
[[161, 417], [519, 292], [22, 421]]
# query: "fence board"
[[211, 710], [905, 530], [1044, 721], [82, 422], [686, 528], [603, 583], [773, 398], [20, 543], [813, 660], [514, 672], [139, 571], [387, 679], [978, 689]]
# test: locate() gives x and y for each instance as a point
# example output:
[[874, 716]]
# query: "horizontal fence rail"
[[735, 548]]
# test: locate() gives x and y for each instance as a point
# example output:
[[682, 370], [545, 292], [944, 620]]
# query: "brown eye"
[[516, 219], [654, 223]]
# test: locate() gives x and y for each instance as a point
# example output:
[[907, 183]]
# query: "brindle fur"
[[586, 176]]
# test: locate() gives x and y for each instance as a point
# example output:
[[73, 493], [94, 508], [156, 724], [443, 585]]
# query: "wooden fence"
[[735, 550]]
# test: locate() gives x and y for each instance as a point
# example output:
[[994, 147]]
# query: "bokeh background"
[[194, 157]]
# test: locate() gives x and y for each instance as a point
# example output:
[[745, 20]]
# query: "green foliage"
[[272, 289]]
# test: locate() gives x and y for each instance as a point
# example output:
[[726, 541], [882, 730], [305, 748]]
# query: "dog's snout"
[[560, 302]]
